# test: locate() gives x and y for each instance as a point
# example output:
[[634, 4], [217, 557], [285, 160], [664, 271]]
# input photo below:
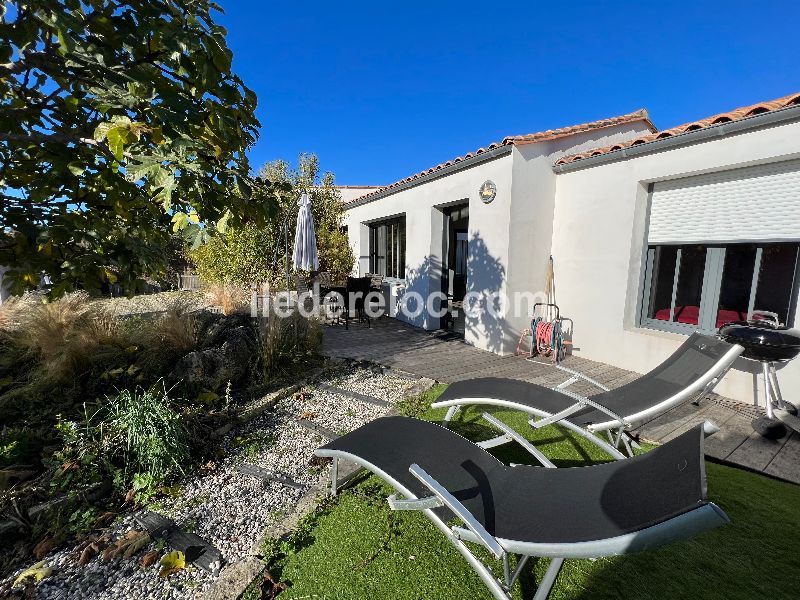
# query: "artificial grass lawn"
[[354, 547]]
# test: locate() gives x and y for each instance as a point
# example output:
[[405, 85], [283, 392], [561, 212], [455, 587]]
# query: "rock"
[[212, 368]]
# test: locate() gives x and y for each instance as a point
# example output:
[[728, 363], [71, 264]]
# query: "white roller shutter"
[[759, 203]]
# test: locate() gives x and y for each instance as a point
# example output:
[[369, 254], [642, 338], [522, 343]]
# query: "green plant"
[[18, 445], [118, 118], [238, 257], [136, 439], [256, 254], [143, 427], [81, 520]]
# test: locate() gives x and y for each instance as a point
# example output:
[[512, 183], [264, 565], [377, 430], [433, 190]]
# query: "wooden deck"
[[395, 344]]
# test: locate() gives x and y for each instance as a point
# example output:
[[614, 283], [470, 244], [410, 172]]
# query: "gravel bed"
[[228, 509]]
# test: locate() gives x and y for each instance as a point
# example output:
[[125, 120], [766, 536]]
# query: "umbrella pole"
[[286, 249]]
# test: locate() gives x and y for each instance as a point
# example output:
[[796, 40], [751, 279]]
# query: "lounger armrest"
[[580, 375], [426, 503], [535, 452], [452, 503]]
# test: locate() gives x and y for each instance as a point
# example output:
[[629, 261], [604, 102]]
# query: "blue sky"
[[382, 90]]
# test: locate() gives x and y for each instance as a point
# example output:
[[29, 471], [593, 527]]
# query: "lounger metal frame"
[[703, 517], [616, 426]]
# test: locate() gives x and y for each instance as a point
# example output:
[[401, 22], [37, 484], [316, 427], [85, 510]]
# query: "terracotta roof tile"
[[518, 140], [727, 117]]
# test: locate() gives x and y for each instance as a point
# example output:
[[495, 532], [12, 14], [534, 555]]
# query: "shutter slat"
[[759, 203]]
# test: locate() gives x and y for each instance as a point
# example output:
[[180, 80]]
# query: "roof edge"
[[461, 165], [556, 134], [789, 113]]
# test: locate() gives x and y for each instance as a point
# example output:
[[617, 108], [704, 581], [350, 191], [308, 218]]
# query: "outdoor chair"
[[375, 285], [357, 290], [594, 511], [324, 281], [375, 281], [692, 371]]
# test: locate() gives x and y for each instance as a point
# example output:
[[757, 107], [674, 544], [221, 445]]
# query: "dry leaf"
[[70, 465], [89, 552], [171, 563], [136, 545], [270, 588], [149, 559], [309, 414], [105, 519], [36, 572], [130, 496], [108, 553], [128, 545], [43, 548]]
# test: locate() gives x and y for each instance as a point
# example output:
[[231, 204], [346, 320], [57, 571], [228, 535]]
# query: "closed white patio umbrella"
[[305, 239]]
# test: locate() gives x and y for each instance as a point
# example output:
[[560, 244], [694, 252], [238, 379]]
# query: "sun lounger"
[[581, 512], [692, 371]]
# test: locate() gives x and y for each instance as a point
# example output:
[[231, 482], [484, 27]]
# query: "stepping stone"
[[318, 429], [354, 395], [196, 550], [266, 475]]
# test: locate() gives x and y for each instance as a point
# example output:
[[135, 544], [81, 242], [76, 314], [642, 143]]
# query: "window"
[[692, 286], [387, 248]]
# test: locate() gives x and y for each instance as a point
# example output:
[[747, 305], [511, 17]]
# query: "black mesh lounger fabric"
[[696, 356], [533, 504]]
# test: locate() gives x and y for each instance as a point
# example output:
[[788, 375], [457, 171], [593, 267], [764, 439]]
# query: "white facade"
[[351, 192], [521, 212], [591, 216], [599, 235]]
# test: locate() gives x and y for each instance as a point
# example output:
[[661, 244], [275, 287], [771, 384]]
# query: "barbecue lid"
[[761, 333]]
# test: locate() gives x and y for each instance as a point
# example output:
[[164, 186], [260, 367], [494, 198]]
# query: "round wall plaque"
[[487, 191]]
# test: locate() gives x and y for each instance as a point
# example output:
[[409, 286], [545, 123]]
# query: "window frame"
[[391, 234], [711, 287]]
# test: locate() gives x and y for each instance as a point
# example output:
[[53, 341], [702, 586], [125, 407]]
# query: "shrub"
[[335, 254], [251, 254], [175, 330], [230, 298], [18, 445], [135, 437], [287, 342], [240, 256], [63, 335], [148, 435]]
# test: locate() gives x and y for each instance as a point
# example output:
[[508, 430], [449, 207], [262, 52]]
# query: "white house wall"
[[599, 237], [532, 208], [509, 239], [488, 234], [352, 192]]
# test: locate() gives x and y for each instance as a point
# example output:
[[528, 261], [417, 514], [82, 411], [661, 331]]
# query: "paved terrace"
[[395, 344]]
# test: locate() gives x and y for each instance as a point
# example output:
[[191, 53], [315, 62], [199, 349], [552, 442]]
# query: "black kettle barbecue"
[[767, 342]]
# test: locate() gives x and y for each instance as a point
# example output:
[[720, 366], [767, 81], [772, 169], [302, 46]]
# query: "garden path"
[[447, 359]]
